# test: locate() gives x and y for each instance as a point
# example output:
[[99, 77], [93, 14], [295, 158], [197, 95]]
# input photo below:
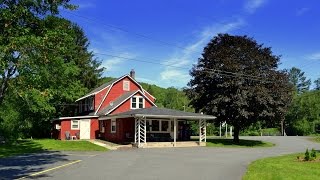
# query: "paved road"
[[175, 163]]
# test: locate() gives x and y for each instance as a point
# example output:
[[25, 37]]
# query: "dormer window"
[[126, 85], [137, 102]]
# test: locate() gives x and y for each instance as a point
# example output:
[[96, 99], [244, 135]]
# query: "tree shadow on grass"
[[242, 143], [34, 159]]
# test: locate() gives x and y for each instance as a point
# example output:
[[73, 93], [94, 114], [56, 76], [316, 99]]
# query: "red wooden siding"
[[124, 130], [94, 128], [99, 97], [66, 126], [117, 91]]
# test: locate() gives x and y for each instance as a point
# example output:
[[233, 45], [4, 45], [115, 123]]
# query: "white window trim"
[[78, 123], [137, 102], [113, 120], [123, 85]]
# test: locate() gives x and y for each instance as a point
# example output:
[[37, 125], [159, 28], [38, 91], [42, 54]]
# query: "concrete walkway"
[[177, 163]]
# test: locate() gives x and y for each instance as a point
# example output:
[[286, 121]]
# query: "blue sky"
[[178, 30]]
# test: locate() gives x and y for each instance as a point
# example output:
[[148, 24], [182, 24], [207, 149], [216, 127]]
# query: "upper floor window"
[[137, 102], [126, 85], [86, 104], [91, 103]]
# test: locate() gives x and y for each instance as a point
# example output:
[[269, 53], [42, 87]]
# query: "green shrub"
[[313, 154], [307, 155]]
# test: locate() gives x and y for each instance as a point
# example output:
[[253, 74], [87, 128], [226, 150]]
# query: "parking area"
[[158, 163]]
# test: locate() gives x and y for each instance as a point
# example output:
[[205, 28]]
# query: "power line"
[[109, 26], [215, 71]]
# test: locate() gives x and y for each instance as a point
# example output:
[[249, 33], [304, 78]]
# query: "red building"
[[122, 111]]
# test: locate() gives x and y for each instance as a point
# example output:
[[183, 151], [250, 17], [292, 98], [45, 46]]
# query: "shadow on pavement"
[[23, 165]]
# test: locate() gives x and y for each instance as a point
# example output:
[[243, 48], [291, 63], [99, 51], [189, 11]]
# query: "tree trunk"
[[236, 133]]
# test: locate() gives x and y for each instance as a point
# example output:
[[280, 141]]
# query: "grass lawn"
[[283, 167], [315, 139], [243, 143], [30, 146]]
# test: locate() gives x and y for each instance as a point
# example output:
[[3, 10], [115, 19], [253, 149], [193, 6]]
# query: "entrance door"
[[85, 129]]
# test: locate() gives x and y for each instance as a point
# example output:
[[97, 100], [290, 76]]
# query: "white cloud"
[[112, 64], [314, 56], [252, 5], [302, 11], [179, 64]]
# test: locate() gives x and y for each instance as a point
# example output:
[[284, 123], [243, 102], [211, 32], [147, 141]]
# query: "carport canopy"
[[141, 115]]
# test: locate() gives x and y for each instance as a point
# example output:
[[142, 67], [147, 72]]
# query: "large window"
[[137, 102], [164, 125], [158, 125], [85, 104], [91, 103], [80, 107], [113, 125], [155, 125], [75, 125]]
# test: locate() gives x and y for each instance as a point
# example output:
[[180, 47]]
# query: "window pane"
[[74, 124], [134, 99], [140, 102], [91, 103], [164, 125], [134, 105], [140, 105], [148, 126], [155, 125]]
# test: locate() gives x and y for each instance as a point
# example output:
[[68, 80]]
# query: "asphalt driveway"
[[169, 163]]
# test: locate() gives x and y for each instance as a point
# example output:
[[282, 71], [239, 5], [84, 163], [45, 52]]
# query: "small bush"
[[313, 154], [307, 155]]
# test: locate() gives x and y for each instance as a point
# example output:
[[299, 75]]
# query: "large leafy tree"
[[20, 26], [236, 79], [45, 64], [299, 80]]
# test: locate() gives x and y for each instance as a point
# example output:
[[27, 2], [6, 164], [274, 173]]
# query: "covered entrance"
[[164, 127]]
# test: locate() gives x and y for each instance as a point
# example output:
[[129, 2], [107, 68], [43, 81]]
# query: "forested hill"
[[165, 97]]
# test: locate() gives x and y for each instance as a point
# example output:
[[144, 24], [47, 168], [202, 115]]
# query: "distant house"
[[121, 111]]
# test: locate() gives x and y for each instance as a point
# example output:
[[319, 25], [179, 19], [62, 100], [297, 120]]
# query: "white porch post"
[[231, 131], [174, 132], [202, 131]]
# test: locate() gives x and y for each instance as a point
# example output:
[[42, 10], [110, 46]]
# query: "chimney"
[[133, 73]]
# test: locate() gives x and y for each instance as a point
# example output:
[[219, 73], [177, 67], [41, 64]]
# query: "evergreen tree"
[[298, 80]]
